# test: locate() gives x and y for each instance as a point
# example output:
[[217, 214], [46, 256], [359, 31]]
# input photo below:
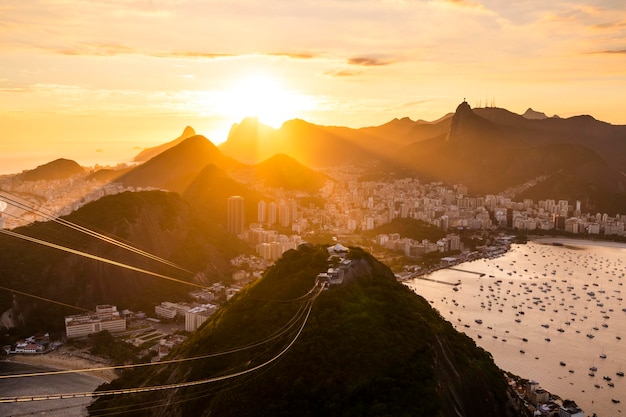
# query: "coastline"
[[60, 360], [544, 364], [577, 241]]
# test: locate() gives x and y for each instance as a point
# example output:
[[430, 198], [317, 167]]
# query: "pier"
[[452, 284], [480, 274]]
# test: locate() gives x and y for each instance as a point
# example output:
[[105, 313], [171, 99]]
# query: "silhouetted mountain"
[[157, 222], [431, 130], [210, 189], [176, 168], [489, 149], [56, 170], [405, 131], [609, 141], [310, 144], [318, 146], [492, 149], [251, 141], [321, 146], [532, 114], [282, 171], [107, 175], [370, 347], [394, 129], [150, 153]]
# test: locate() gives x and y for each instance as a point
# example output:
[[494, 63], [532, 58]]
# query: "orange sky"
[[96, 80]]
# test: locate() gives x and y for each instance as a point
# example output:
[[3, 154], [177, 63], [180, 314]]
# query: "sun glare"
[[262, 97]]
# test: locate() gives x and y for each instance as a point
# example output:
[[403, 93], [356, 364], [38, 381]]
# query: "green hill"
[[371, 347], [160, 223]]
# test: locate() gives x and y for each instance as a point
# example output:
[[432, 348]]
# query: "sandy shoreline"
[[577, 241], [63, 361]]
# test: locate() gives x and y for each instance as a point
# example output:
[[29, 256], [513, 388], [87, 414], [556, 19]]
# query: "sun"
[[263, 97]]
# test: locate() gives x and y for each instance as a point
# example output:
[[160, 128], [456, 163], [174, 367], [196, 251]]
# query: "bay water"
[[551, 310]]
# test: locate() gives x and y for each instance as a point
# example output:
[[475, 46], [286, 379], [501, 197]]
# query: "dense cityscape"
[[349, 207]]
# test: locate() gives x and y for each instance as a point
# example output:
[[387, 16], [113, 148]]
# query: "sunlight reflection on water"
[[537, 292]]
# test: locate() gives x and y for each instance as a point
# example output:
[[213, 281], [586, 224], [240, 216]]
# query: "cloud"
[[112, 49], [368, 61], [343, 73], [468, 5], [294, 55], [463, 3], [191, 54], [98, 50], [609, 51], [15, 90], [414, 103], [609, 25]]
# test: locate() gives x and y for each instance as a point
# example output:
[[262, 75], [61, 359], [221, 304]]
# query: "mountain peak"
[[534, 115], [188, 132], [462, 116], [463, 107], [150, 153], [248, 140]]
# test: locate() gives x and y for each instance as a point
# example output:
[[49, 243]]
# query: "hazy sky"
[[95, 80]]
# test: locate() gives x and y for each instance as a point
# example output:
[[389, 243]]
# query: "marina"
[[551, 313]]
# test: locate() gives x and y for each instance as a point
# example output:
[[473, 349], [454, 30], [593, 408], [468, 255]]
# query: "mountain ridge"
[[491, 150], [175, 168]]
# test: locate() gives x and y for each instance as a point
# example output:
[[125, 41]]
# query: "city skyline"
[[98, 81]]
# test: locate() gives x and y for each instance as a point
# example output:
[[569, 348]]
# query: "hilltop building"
[[106, 317], [337, 265]]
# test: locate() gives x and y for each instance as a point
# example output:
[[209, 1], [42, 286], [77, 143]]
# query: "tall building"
[[284, 214], [235, 214], [509, 218], [271, 213], [262, 211]]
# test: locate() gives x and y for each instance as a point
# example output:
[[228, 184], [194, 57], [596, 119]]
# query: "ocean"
[[49, 384], [566, 301]]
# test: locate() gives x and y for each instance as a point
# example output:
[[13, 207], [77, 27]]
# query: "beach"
[[61, 359]]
